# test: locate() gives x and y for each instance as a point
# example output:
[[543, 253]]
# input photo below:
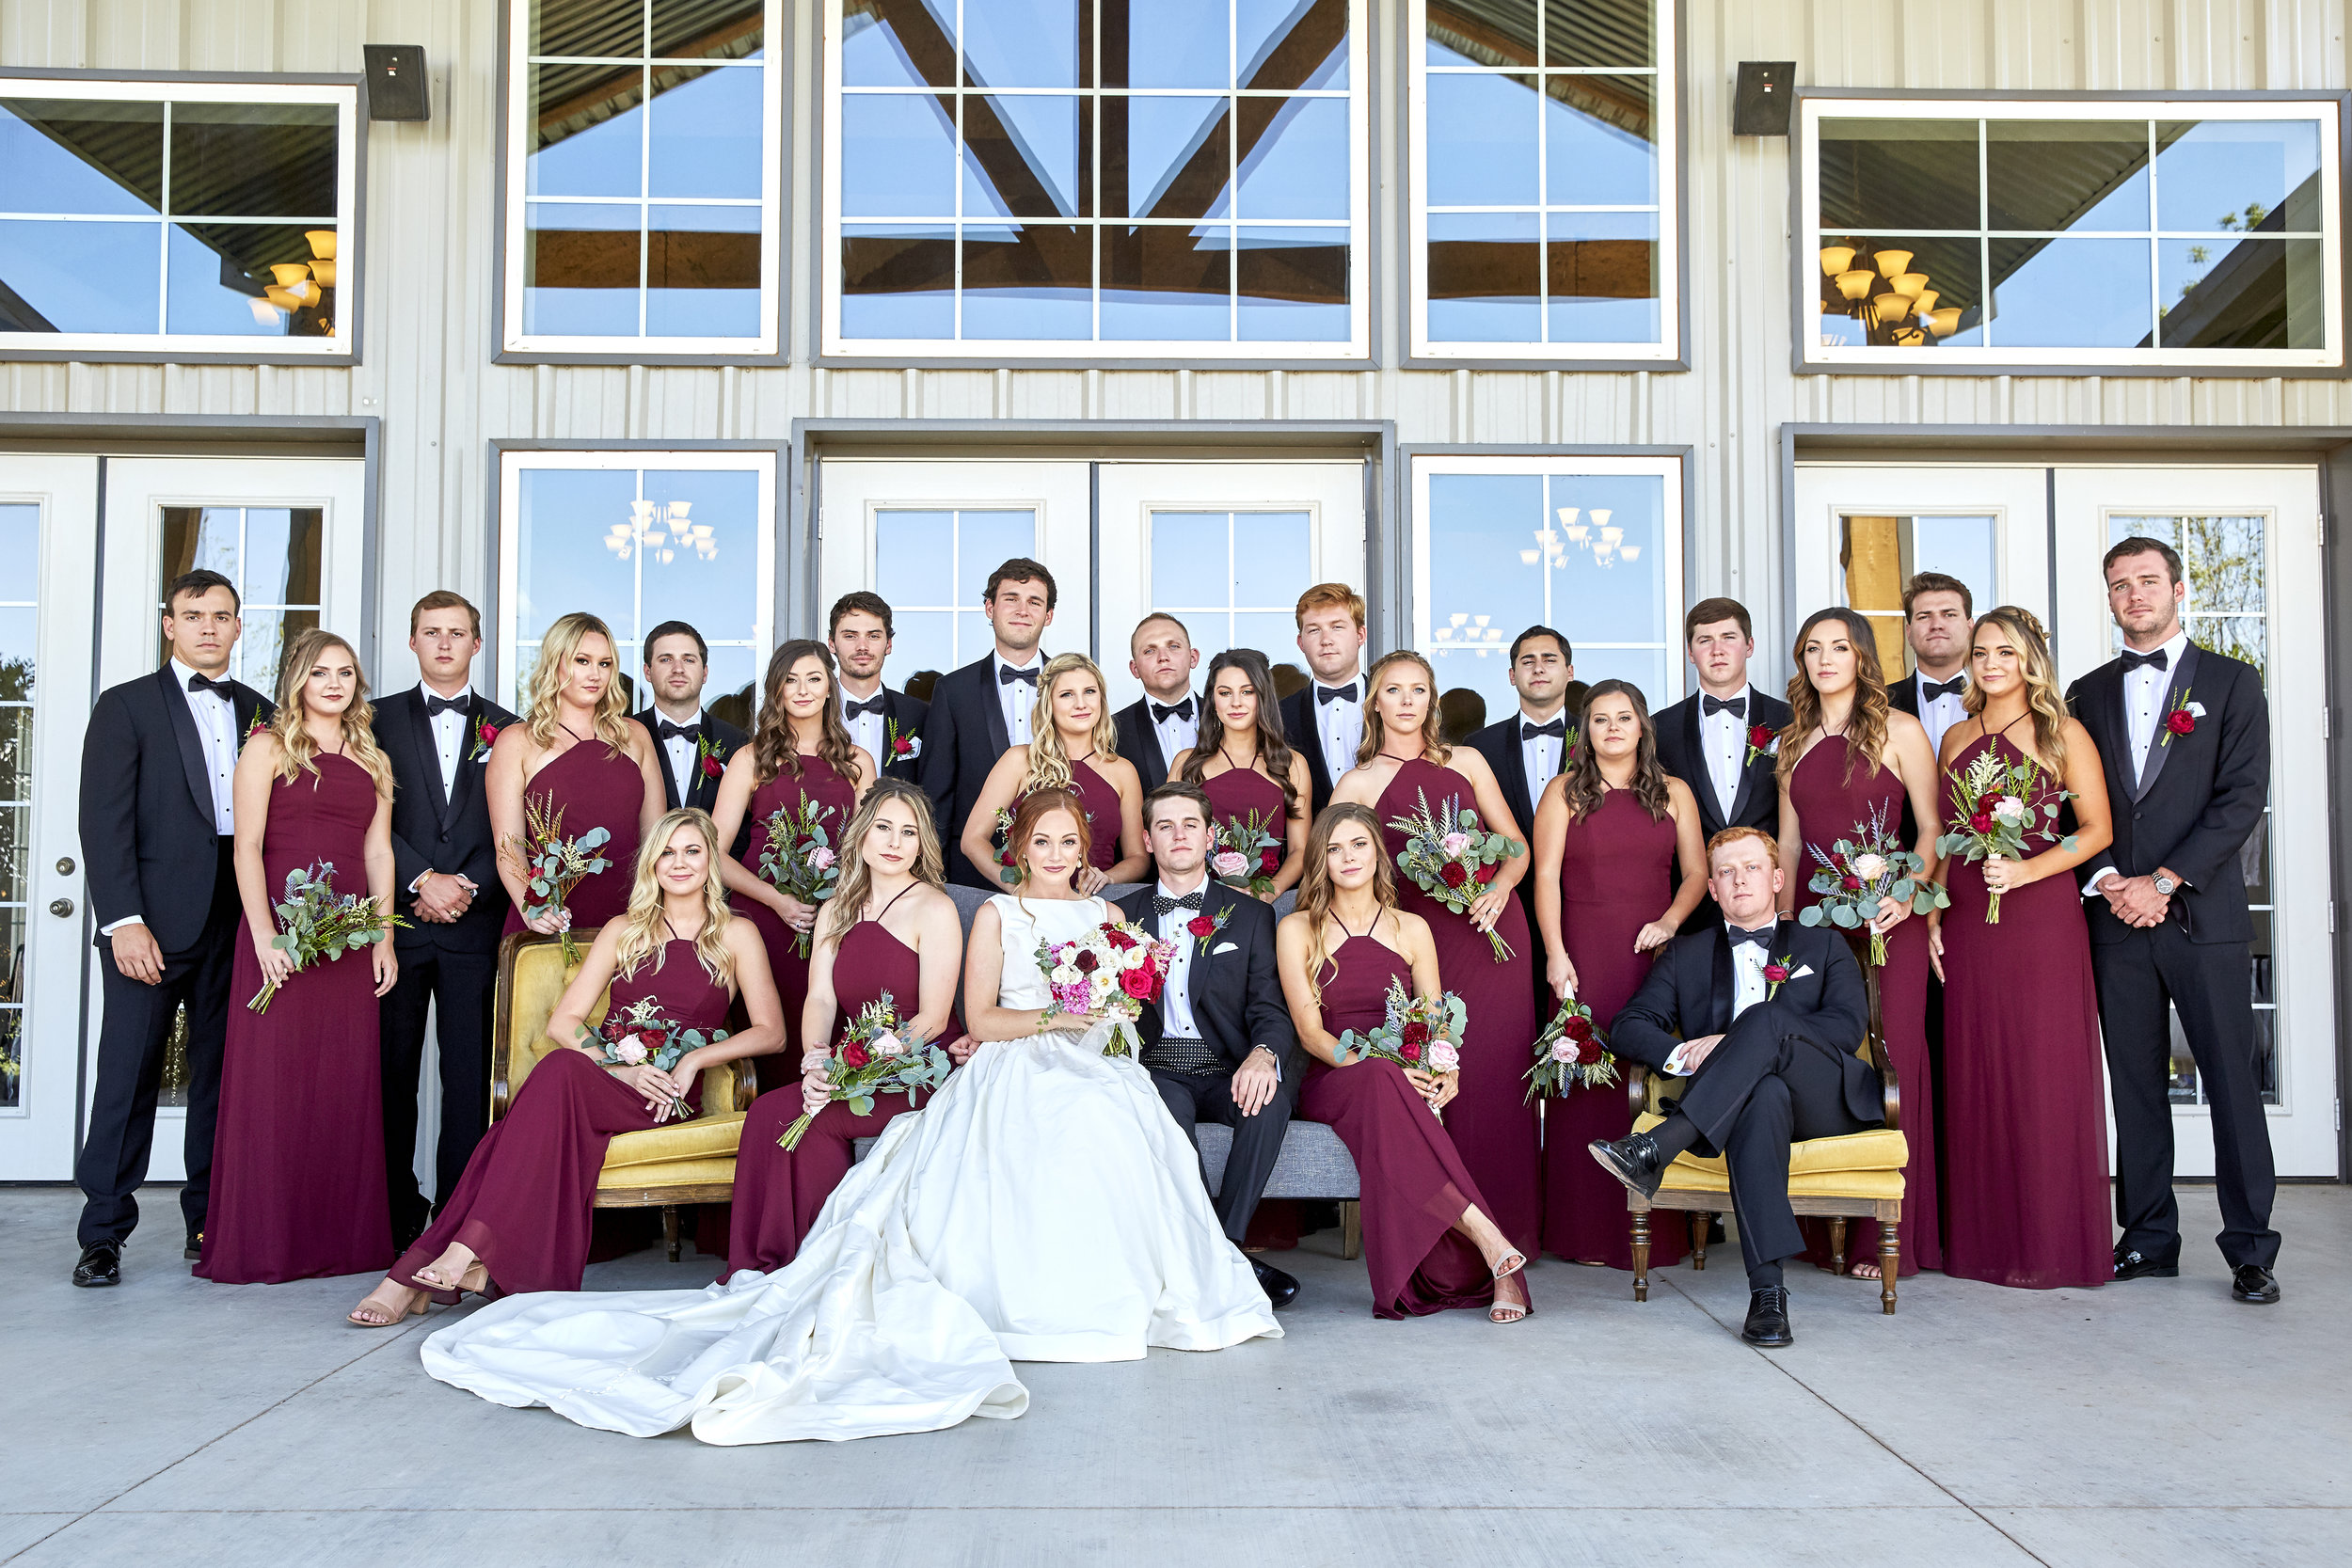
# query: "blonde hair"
[[1049, 759], [638, 941], [297, 752], [1329, 596], [556, 648], [1316, 890], [2042, 698], [846, 907], [1433, 745]]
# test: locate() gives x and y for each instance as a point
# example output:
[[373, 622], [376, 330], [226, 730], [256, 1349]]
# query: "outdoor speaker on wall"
[[1766, 95], [396, 84]]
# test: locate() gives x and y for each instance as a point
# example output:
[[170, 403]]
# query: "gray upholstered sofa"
[[1314, 1163]]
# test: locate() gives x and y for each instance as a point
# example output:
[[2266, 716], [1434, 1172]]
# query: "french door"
[[2033, 536]]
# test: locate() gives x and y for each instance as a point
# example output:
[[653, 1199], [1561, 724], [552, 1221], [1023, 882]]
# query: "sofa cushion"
[[1860, 1164], [711, 1137]]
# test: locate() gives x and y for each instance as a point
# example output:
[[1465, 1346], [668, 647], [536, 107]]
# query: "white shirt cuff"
[[420, 881], [1277, 1060], [2090, 888], [1674, 1068], [127, 920]]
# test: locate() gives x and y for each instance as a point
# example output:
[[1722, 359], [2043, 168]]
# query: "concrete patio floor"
[[170, 1421]]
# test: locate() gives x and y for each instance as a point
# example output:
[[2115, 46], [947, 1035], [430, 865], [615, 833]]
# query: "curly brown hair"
[[1316, 889], [774, 751]]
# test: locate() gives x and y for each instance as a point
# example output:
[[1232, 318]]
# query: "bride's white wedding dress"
[[1042, 1207]]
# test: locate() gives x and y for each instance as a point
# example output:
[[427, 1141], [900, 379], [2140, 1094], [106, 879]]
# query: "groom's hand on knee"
[[1255, 1082]]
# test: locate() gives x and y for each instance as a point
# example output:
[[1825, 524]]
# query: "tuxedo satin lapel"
[[191, 744], [992, 696], [1521, 796], [1197, 975], [1722, 989], [1702, 780], [2175, 694], [428, 754]]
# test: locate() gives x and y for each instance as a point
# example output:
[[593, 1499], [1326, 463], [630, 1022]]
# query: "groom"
[[1215, 1042], [2185, 734], [1768, 1062]]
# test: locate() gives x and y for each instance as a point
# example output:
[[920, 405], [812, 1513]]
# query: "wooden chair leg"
[[1837, 1243], [669, 1229], [1700, 1223], [1351, 1228], [1890, 1261], [1641, 1255]]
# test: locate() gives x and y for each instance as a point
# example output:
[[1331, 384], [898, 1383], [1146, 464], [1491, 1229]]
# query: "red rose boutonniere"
[[1777, 974], [2183, 719], [1763, 740], [901, 747], [1205, 928], [486, 736], [706, 754], [258, 725]]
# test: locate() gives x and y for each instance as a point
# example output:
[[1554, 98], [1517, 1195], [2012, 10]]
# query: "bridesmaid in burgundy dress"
[[1610, 832], [1847, 754], [299, 1174], [800, 753], [1245, 765], [1428, 1242], [1403, 762], [576, 752], [1076, 748], [519, 1218], [2025, 1107], [890, 928]]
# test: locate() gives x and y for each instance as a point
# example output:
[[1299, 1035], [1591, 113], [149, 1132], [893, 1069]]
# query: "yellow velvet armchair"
[[1857, 1176], [688, 1161]]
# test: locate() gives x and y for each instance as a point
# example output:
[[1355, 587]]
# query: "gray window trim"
[[780, 60], [356, 315], [1801, 287], [1403, 174]]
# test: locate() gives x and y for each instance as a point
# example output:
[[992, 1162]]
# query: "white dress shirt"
[[1938, 716], [1017, 698], [1748, 960], [451, 731], [1340, 725], [217, 733], [678, 754], [866, 729], [1178, 732], [1176, 1019], [1540, 755], [1725, 735], [2144, 690]]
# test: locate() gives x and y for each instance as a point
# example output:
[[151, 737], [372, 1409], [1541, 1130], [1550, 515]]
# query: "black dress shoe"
[[1632, 1159], [193, 1250], [101, 1265], [1768, 1318], [1282, 1289], [2252, 1282], [2139, 1265]]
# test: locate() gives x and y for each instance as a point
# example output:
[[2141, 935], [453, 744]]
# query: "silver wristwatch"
[[2166, 885]]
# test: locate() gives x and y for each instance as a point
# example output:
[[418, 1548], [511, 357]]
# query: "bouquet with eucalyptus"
[[1857, 872], [640, 1036], [553, 864], [1570, 1055], [878, 1054], [1994, 819], [1245, 854], [801, 859], [1110, 970], [1422, 1034], [1450, 858], [317, 925]]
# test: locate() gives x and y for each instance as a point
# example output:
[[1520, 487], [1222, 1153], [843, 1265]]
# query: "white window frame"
[[340, 346], [638, 348], [1667, 350], [2326, 111], [1356, 227], [1673, 522], [512, 465]]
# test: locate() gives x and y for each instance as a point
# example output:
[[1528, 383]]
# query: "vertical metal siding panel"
[[229, 35], [1048, 395], [49, 33], [134, 35], [1138, 395]]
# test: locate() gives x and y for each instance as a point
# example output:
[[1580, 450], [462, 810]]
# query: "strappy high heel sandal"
[[1510, 1312]]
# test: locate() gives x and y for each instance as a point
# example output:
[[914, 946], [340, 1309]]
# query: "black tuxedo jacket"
[[1500, 746], [964, 734], [1689, 990], [445, 833], [1236, 996], [1298, 729], [2199, 799], [1139, 741], [150, 846], [902, 716], [1682, 753], [724, 739]]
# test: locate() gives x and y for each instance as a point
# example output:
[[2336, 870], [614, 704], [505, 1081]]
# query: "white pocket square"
[[1221, 947], [1801, 971]]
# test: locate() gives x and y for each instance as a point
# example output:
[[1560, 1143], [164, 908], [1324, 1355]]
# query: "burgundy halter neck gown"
[[836, 800], [595, 788]]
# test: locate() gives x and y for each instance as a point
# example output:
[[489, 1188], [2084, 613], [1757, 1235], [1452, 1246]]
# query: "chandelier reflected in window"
[[1879, 288], [660, 534], [1466, 633], [1596, 536]]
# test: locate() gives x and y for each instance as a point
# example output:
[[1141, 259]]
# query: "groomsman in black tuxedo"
[[2185, 734], [1324, 720], [983, 710], [1166, 719], [1765, 1061], [693, 745], [1528, 750], [1939, 614], [889, 724], [1218, 1043], [156, 834], [1723, 739], [437, 738]]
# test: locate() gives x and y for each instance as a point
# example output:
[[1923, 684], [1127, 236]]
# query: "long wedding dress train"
[[1044, 1207]]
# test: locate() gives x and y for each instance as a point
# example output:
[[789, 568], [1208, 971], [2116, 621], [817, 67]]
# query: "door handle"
[[64, 867], [61, 907]]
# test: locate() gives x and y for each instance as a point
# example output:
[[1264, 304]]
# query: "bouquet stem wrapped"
[[799, 859], [317, 925], [1450, 858], [1993, 817], [878, 1055], [553, 864], [1422, 1033], [1570, 1054], [1856, 872]]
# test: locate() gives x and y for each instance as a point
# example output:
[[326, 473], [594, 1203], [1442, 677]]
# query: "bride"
[[1044, 1207]]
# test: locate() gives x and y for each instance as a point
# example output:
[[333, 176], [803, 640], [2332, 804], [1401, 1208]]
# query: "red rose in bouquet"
[[1143, 982], [855, 1055], [1455, 874], [1578, 1028], [1981, 823], [1118, 937], [1270, 860], [1085, 964], [1852, 884], [1417, 1033], [1587, 1050], [1410, 1051]]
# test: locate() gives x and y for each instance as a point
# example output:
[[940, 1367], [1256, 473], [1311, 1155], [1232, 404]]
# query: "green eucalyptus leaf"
[[1902, 891], [1844, 916], [1809, 915]]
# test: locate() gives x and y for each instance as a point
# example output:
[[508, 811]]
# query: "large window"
[[1947, 234], [1023, 176], [1544, 213], [273, 554], [638, 538], [180, 218], [1589, 546], [645, 163]]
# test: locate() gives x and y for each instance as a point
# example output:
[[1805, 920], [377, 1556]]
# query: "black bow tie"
[[435, 707], [1336, 693], [1557, 729], [1180, 710], [1006, 674], [225, 691], [2132, 661], [669, 731], [1762, 937], [1931, 691], [1737, 706], [1162, 903], [872, 705]]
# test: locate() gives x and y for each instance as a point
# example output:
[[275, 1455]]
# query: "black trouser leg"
[[1757, 1159], [2211, 986], [2138, 1035], [401, 1028], [208, 1033], [129, 1073], [462, 1026], [1257, 1145]]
